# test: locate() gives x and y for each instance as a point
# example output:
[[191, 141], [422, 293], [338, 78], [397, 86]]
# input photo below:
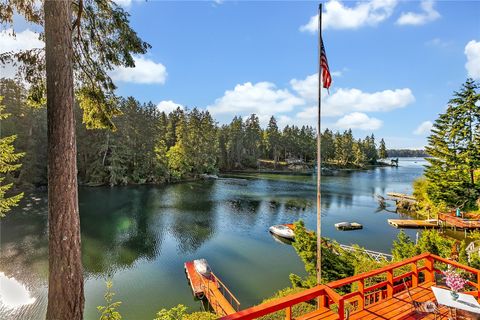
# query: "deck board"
[[397, 308]]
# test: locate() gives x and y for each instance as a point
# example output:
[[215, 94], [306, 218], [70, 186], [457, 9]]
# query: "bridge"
[[377, 256]]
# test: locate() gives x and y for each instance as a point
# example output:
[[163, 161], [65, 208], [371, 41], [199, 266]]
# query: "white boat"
[[202, 267], [282, 231], [348, 226]]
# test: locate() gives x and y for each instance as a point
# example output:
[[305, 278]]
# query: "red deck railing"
[[371, 288]]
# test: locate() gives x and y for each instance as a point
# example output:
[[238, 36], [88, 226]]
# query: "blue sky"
[[395, 63]]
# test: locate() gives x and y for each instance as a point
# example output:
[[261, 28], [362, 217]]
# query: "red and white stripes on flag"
[[326, 77]]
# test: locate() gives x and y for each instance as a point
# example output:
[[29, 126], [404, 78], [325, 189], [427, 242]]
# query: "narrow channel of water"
[[140, 236]]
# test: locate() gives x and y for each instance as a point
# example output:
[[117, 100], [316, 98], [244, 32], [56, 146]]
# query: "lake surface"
[[140, 236]]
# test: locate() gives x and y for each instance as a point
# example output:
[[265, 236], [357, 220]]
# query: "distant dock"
[[413, 224], [401, 197]]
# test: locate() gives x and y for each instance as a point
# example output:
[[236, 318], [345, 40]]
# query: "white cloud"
[[358, 120], [472, 51], [24, 40], [423, 128], [262, 98], [168, 106], [146, 71], [347, 100], [429, 14], [123, 3], [339, 16], [298, 104], [306, 88]]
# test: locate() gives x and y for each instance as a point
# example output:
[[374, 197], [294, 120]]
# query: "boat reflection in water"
[[13, 294], [281, 239]]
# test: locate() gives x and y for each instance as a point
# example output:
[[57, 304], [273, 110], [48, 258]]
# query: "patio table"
[[464, 302]]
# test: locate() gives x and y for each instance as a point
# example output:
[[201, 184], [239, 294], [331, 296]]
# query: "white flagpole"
[[319, 158]]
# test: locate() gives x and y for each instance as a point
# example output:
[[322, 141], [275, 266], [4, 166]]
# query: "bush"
[[180, 313]]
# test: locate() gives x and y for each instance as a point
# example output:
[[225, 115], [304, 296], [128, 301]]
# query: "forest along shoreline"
[[149, 146]]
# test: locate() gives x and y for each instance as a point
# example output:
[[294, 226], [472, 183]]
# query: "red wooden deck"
[[457, 222], [374, 299]]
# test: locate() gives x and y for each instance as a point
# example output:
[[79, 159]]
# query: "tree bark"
[[65, 283]]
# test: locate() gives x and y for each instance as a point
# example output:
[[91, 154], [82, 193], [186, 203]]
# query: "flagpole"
[[319, 158]]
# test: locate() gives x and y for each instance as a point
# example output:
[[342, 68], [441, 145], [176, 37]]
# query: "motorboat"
[[202, 267], [282, 231]]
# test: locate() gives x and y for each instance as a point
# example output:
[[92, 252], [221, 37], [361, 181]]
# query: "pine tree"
[[252, 140], [382, 150], [273, 140], [8, 163], [454, 147]]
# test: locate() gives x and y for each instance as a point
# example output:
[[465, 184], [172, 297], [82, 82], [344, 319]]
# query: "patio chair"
[[426, 307]]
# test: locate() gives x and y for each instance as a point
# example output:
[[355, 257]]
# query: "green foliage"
[[382, 150], [334, 266], [179, 312], [455, 149], [102, 40], [403, 247], [425, 206], [109, 311], [8, 163], [430, 241], [149, 146]]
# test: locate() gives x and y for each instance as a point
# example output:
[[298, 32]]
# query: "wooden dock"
[[401, 196], [450, 220], [414, 224], [219, 298]]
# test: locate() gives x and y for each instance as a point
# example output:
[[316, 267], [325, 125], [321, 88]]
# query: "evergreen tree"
[[454, 147], [8, 163], [358, 153], [382, 150], [252, 140], [328, 146], [273, 140]]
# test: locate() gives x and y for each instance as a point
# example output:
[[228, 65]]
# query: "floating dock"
[[219, 298], [414, 224]]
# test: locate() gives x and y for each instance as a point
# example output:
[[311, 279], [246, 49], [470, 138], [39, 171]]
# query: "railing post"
[[429, 275], [341, 309], [389, 284], [323, 301], [361, 289], [478, 285], [414, 275], [288, 313]]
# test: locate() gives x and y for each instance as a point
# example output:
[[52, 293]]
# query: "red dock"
[[211, 288], [449, 219]]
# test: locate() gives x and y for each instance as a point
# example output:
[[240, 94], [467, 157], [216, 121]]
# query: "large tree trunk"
[[65, 283]]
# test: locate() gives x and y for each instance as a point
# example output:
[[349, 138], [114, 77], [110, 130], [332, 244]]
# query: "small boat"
[[282, 231], [348, 226], [202, 267]]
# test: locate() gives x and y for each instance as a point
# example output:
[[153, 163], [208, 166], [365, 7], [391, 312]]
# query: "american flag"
[[326, 77]]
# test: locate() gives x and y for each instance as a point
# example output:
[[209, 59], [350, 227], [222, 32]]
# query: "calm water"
[[140, 236]]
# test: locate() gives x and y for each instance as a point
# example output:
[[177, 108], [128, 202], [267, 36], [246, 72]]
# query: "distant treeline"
[[150, 146], [407, 153]]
